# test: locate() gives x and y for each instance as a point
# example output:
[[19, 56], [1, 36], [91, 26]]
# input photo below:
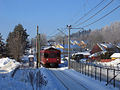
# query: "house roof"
[[107, 45], [101, 47], [104, 47], [30, 56], [115, 55], [97, 54], [84, 53]]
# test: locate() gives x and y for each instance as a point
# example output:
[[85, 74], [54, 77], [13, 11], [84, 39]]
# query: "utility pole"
[[37, 46], [63, 48], [69, 27], [39, 50]]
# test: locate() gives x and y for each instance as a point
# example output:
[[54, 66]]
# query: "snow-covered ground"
[[7, 65], [51, 81], [114, 63]]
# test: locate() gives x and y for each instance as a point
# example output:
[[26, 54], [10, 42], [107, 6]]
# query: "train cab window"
[[58, 54], [46, 55]]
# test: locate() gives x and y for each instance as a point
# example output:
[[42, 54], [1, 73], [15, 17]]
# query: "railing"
[[101, 73]]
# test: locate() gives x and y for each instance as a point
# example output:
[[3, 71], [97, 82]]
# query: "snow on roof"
[[72, 42], [84, 53], [93, 55], [102, 48], [97, 54], [31, 56], [107, 45], [48, 47], [116, 55]]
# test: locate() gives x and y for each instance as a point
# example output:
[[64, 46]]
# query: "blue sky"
[[51, 14]]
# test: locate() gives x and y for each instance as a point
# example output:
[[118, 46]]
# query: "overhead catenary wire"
[[54, 34], [102, 17], [89, 11], [95, 13]]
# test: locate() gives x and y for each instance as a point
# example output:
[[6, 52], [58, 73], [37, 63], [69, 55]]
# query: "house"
[[101, 48], [97, 48], [115, 56]]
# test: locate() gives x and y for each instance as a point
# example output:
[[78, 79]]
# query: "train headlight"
[[57, 59], [47, 59]]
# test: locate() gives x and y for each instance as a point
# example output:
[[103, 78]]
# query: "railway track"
[[67, 81]]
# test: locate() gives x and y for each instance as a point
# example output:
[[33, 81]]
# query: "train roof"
[[50, 48]]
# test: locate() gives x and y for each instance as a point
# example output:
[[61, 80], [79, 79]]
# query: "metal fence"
[[101, 73]]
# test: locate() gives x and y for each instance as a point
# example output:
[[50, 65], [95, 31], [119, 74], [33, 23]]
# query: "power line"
[[95, 13], [102, 17], [54, 34], [89, 11]]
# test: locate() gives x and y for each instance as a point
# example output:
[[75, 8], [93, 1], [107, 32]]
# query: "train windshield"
[[52, 55]]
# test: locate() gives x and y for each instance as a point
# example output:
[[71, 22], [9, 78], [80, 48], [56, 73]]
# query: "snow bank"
[[8, 65], [25, 58], [112, 63]]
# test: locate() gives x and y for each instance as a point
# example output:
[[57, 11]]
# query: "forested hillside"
[[106, 34]]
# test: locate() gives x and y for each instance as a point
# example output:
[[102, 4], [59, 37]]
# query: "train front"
[[51, 57]]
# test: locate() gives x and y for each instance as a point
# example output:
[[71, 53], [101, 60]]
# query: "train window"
[[52, 55], [58, 54], [46, 55]]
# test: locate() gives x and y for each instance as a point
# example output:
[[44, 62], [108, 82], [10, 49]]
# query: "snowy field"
[[44, 79]]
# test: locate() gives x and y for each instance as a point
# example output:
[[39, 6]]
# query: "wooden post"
[[37, 47]]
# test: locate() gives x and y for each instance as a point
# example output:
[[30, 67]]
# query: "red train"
[[50, 57]]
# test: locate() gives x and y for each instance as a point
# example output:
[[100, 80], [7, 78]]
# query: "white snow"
[[88, 82], [20, 79], [7, 65], [84, 53], [115, 55], [30, 56], [115, 62]]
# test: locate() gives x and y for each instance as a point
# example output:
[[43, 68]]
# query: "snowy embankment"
[[44, 79], [7, 65], [114, 63]]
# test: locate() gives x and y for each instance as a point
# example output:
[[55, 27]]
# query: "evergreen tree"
[[2, 47], [17, 42]]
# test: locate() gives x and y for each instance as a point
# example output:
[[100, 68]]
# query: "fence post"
[[70, 65], [107, 75], [88, 69], [100, 73], [91, 70], [85, 68], [80, 67], [95, 72], [74, 65], [114, 78]]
